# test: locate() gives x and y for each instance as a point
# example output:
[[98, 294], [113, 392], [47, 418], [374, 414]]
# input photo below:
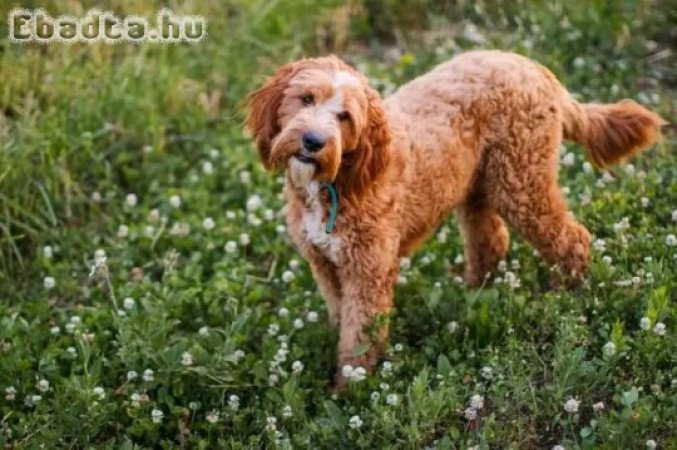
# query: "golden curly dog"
[[478, 134]]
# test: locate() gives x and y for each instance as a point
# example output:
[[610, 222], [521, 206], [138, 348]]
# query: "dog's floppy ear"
[[372, 154], [262, 111]]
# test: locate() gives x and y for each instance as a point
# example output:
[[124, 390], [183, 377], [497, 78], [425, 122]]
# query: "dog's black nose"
[[312, 141]]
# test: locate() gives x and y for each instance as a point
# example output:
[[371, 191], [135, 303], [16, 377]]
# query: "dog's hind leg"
[[485, 237], [521, 184]]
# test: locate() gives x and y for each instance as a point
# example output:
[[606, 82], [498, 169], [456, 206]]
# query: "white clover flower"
[[624, 224], [392, 399], [470, 413], [298, 324], [245, 177], [597, 407], [607, 178], [599, 245], [459, 259], [55, 330], [207, 168], [355, 422], [645, 323], [253, 220], [157, 415], [49, 282], [96, 197], [645, 202], [386, 368], [477, 401], [651, 444], [72, 351], [99, 392], [10, 393], [149, 231], [405, 263], [398, 347], [148, 375], [175, 201], [244, 239], [511, 280], [630, 169], [187, 359], [287, 276], [487, 372], [31, 400], [287, 412], [70, 327], [607, 260], [587, 167], [154, 215], [312, 316], [234, 402], [131, 200], [230, 247], [442, 237], [568, 159], [294, 264], [671, 240], [269, 214], [609, 349], [283, 312], [238, 354], [347, 371], [203, 331], [99, 257], [401, 280], [128, 303], [254, 202], [208, 223], [660, 329], [212, 417], [571, 405], [297, 366], [358, 374], [214, 153], [273, 329], [558, 447], [280, 229], [132, 375], [452, 327], [42, 385], [47, 251], [271, 422], [123, 231], [375, 396]]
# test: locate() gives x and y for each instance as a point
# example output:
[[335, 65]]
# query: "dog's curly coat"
[[479, 134]]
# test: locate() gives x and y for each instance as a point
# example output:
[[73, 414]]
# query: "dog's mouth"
[[302, 169], [306, 159]]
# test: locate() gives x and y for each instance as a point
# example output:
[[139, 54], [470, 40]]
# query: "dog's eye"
[[343, 115], [308, 99]]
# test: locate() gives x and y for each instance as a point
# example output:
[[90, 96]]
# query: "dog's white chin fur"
[[300, 173]]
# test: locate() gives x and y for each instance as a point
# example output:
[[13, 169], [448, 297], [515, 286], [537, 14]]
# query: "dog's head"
[[320, 119]]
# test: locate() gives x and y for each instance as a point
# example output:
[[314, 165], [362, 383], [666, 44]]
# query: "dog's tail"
[[611, 132]]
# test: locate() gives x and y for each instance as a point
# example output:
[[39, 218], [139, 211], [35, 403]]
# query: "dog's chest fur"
[[314, 222]]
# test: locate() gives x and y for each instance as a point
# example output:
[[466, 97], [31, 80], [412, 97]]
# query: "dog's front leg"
[[366, 300], [324, 272]]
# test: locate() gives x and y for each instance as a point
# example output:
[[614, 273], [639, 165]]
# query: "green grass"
[[82, 127]]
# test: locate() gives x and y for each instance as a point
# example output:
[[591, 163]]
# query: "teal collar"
[[333, 209]]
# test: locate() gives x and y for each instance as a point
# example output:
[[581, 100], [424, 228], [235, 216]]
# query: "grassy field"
[[150, 299]]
